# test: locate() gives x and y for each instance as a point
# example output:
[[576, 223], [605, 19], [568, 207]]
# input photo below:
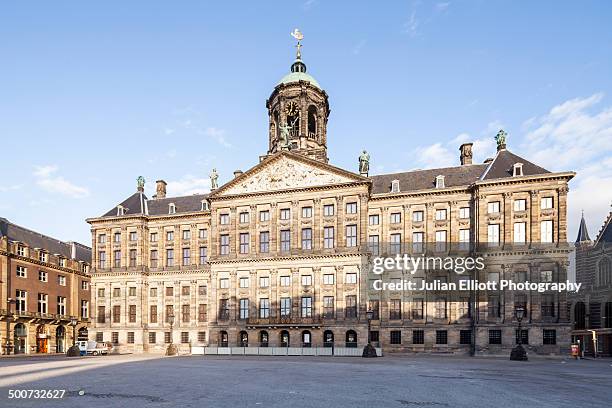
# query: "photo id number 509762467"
[[36, 394]]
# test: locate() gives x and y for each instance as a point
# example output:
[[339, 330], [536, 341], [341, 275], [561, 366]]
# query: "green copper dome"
[[298, 73]]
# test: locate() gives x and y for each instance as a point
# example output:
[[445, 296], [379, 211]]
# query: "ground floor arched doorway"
[[328, 338], [60, 339], [20, 337], [42, 340]]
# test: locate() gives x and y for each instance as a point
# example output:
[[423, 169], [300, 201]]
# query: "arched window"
[[605, 272], [223, 339], [263, 338], [312, 122], [579, 316], [351, 339], [284, 338], [328, 338], [306, 339], [243, 339], [276, 125]]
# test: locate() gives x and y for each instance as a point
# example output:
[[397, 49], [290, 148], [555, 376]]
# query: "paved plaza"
[[391, 381]]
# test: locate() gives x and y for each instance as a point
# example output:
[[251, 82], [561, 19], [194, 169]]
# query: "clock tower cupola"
[[298, 110]]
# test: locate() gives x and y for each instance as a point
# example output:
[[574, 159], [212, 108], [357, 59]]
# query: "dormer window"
[[120, 210], [21, 250], [42, 256], [440, 181], [171, 208], [205, 206], [62, 262], [395, 187], [517, 169]]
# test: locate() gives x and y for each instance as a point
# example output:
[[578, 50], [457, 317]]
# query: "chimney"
[[466, 153], [161, 189], [237, 173], [72, 250]]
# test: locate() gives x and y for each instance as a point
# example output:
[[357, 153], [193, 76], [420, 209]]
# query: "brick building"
[[44, 284], [279, 255]]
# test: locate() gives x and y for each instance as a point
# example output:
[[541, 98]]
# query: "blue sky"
[[94, 95]]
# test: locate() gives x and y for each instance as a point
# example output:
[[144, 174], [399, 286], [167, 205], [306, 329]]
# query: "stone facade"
[[280, 255], [44, 284]]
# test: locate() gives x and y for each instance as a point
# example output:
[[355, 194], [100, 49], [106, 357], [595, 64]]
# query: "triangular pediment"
[[287, 171]]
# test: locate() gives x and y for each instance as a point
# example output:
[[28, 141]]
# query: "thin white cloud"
[[411, 27], [218, 135], [48, 181], [358, 47], [435, 155], [308, 4], [188, 185], [442, 6], [14, 187]]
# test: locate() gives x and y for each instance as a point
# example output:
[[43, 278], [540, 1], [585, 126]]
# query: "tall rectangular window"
[[440, 308], [202, 233], [84, 309], [440, 215], [202, 312], [153, 259], [264, 281], [203, 255], [186, 256], [102, 259], [519, 232], [244, 243], [264, 242], [116, 259], [169, 257], [61, 305], [417, 242], [328, 307], [264, 308], [132, 257], [417, 309], [328, 210], [306, 306], [153, 237], [464, 239], [328, 237], [224, 219], [464, 212], [186, 235], [395, 243], [169, 236], [285, 240], [132, 313], [224, 310], [350, 278], [21, 300], [374, 219], [116, 314], [306, 212], [548, 305], [546, 231], [350, 306], [285, 280], [244, 282], [493, 235], [328, 279], [351, 235], [101, 316], [306, 238], [224, 244], [43, 302], [153, 313], [264, 216], [285, 306], [374, 244], [244, 308], [224, 283], [440, 241], [395, 309]]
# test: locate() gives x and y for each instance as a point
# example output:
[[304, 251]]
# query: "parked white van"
[[97, 348]]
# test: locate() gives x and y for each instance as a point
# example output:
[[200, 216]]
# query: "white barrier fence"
[[280, 351]]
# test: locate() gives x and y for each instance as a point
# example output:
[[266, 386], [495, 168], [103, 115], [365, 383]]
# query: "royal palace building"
[[44, 291], [280, 255]]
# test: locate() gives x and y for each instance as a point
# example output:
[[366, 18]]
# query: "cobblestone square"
[[391, 381]]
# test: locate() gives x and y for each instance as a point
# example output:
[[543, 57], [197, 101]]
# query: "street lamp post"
[[171, 350], [518, 353], [369, 350], [74, 350], [8, 345]]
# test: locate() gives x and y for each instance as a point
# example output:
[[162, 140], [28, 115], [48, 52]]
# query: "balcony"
[[285, 321]]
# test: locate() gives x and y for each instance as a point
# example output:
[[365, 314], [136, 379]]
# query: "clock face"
[[291, 109]]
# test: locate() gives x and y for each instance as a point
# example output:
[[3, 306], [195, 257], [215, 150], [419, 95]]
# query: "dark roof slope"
[[502, 166], [36, 240], [182, 204], [133, 205], [424, 179], [605, 234]]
